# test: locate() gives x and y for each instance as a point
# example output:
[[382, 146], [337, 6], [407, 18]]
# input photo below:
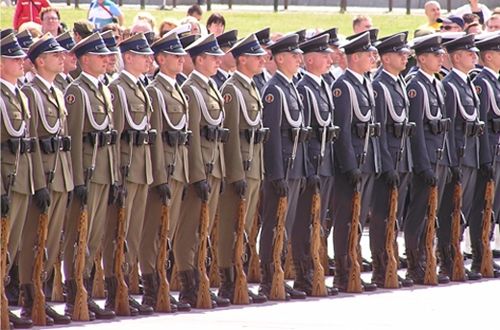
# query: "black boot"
[[109, 305], [341, 274], [266, 279], [445, 264], [150, 290], [256, 298], [187, 295], [100, 314], [180, 306], [28, 294], [415, 271], [20, 322], [379, 268], [12, 287], [226, 289], [303, 276]]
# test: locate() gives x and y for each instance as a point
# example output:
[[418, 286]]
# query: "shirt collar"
[[10, 86], [390, 75], [244, 77], [62, 75], [170, 80], [45, 82], [93, 79], [283, 75], [358, 76], [313, 77], [428, 76], [201, 76], [130, 76], [495, 74], [462, 75]]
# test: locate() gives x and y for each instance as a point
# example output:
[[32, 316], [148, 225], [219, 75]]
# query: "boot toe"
[[57, 318], [20, 322], [257, 298], [142, 309], [472, 275], [369, 287], [295, 294], [99, 313], [220, 301], [443, 279]]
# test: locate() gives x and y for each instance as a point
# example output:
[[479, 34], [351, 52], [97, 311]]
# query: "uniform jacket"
[[162, 154], [52, 108], [220, 78], [63, 83], [261, 80]]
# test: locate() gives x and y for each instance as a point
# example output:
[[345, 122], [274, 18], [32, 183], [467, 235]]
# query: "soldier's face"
[[53, 62], [396, 62], [366, 60], [431, 62], [70, 62], [289, 62], [318, 63], [466, 59], [335, 56], [254, 64], [11, 68], [111, 67], [94, 64], [209, 64], [142, 62], [172, 64]]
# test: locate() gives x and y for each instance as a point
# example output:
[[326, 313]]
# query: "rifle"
[[98, 285], [288, 267], [489, 196], [57, 287], [38, 313], [430, 276], [134, 279], [354, 277], [163, 296], [318, 284], [278, 282], [254, 262], [240, 285], [203, 300], [213, 243], [391, 280]]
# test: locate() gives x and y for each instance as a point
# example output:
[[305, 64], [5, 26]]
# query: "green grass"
[[247, 22]]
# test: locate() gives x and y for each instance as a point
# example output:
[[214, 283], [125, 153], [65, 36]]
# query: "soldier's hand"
[[42, 199], [5, 205], [113, 194], [81, 193], [240, 187], [486, 170], [222, 186], [164, 191], [202, 189], [313, 181], [354, 176], [429, 177], [456, 174], [391, 178], [122, 194], [281, 187]]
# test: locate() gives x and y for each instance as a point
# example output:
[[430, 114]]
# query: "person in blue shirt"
[[103, 12]]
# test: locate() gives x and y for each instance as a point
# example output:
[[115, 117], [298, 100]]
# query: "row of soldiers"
[[129, 155]]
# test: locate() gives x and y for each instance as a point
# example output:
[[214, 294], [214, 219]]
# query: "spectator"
[[82, 29], [29, 11], [474, 7], [195, 11], [361, 23], [166, 26], [493, 24], [433, 12], [102, 12], [474, 28], [33, 28], [140, 26], [451, 23], [216, 24], [117, 31], [469, 19], [51, 19], [195, 25], [145, 16]]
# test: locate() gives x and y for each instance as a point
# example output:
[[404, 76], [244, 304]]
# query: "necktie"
[[473, 91], [54, 94], [402, 86]]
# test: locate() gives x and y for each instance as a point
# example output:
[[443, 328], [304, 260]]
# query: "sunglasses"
[[446, 27]]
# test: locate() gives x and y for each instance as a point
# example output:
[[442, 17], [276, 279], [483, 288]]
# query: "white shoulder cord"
[[90, 115], [204, 111], [138, 127], [294, 123], [51, 129], [355, 104], [466, 116], [243, 107], [491, 95], [322, 122], [427, 107], [161, 100], [388, 99], [8, 124]]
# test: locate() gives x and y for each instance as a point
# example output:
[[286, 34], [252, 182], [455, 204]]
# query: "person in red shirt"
[[29, 11]]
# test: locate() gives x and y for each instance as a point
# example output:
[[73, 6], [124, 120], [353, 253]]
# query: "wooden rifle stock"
[[278, 283], [354, 277], [318, 283], [57, 287], [133, 286], [254, 261], [4, 241], [175, 283], [487, 255], [214, 275], [81, 310], [288, 267], [38, 313], [98, 285], [240, 285], [391, 280], [122, 307], [430, 276], [458, 270], [203, 300], [163, 295]]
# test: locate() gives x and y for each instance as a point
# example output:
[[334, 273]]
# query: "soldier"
[[261, 79], [356, 154], [391, 107], [169, 161], [244, 162], [334, 43], [300, 72], [462, 107], [226, 41], [22, 171], [131, 115], [48, 116], [316, 96], [284, 159], [25, 40], [487, 85], [112, 66], [428, 144], [188, 62], [206, 160], [91, 127], [63, 79]]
